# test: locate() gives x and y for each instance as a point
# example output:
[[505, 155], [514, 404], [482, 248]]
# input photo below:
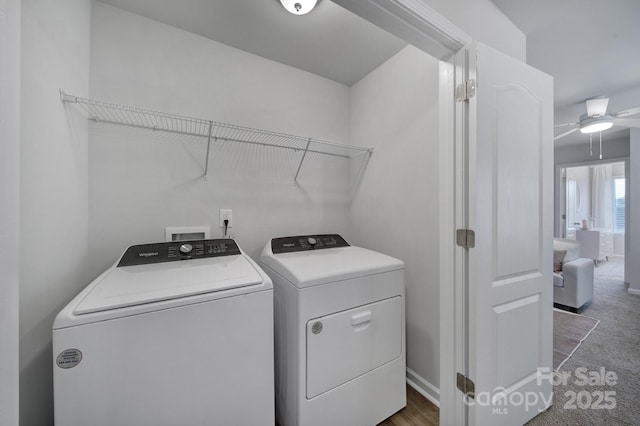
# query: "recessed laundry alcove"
[[388, 203], [108, 186]]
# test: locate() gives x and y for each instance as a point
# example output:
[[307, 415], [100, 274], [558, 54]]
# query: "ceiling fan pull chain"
[[601, 145]]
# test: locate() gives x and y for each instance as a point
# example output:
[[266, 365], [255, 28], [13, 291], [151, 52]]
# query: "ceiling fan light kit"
[[595, 124], [597, 120]]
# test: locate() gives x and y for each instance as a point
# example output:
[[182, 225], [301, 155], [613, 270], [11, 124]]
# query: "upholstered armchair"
[[572, 276]]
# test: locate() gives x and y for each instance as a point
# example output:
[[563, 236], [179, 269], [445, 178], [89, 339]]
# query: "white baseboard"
[[425, 388], [631, 291]]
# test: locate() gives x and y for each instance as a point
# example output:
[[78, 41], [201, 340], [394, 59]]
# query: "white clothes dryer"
[[339, 331], [176, 333]]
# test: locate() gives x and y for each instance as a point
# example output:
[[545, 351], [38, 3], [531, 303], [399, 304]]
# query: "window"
[[618, 205]]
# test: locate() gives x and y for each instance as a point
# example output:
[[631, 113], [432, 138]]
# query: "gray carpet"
[[615, 346]]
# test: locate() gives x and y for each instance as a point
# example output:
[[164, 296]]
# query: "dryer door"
[[348, 344]]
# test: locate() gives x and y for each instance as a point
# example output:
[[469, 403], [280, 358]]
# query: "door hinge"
[[465, 238], [466, 385], [466, 90]]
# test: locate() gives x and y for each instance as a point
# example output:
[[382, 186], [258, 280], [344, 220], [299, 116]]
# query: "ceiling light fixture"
[[595, 124], [299, 7]]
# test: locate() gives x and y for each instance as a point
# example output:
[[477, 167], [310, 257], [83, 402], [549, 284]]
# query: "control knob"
[[186, 248], [312, 241]]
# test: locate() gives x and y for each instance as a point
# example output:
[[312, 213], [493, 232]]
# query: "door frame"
[[424, 28], [10, 25], [559, 189]]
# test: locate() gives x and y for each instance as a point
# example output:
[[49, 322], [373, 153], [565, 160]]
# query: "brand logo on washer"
[[148, 254], [69, 358]]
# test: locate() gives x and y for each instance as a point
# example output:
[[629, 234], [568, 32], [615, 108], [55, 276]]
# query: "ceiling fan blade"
[[562, 135], [565, 124], [597, 106], [626, 112], [627, 122]]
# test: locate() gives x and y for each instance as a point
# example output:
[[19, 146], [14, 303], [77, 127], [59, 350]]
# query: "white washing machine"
[[177, 333], [339, 330]]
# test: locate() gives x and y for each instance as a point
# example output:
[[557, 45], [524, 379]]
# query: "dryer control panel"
[[307, 242], [145, 254]]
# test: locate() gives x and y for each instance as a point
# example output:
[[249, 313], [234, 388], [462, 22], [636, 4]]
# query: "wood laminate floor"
[[418, 412]]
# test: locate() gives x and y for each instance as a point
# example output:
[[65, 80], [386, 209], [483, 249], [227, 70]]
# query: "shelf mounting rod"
[[304, 154], [206, 161]]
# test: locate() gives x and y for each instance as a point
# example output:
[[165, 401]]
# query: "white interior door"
[[509, 204]]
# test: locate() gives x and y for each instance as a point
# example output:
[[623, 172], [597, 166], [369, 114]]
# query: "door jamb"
[[10, 28]]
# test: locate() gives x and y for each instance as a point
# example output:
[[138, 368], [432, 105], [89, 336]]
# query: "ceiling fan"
[[596, 119]]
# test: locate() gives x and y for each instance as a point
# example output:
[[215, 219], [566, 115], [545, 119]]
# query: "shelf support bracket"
[[206, 160], [304, 154], [64, 97]]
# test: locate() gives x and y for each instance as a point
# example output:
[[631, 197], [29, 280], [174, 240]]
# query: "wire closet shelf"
[[111, 113]]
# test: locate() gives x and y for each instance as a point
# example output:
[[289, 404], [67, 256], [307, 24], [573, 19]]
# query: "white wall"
[[141, 182], [54, 200], [395, 208], [10, 211], [574, 154]]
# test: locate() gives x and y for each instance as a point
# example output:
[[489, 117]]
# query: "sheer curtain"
[[602, 196]]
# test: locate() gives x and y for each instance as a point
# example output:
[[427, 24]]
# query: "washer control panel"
[[145, 254], [307, 242]]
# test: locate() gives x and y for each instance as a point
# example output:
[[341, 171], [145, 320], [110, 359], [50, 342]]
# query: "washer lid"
[[313, 267], [140, 284]]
